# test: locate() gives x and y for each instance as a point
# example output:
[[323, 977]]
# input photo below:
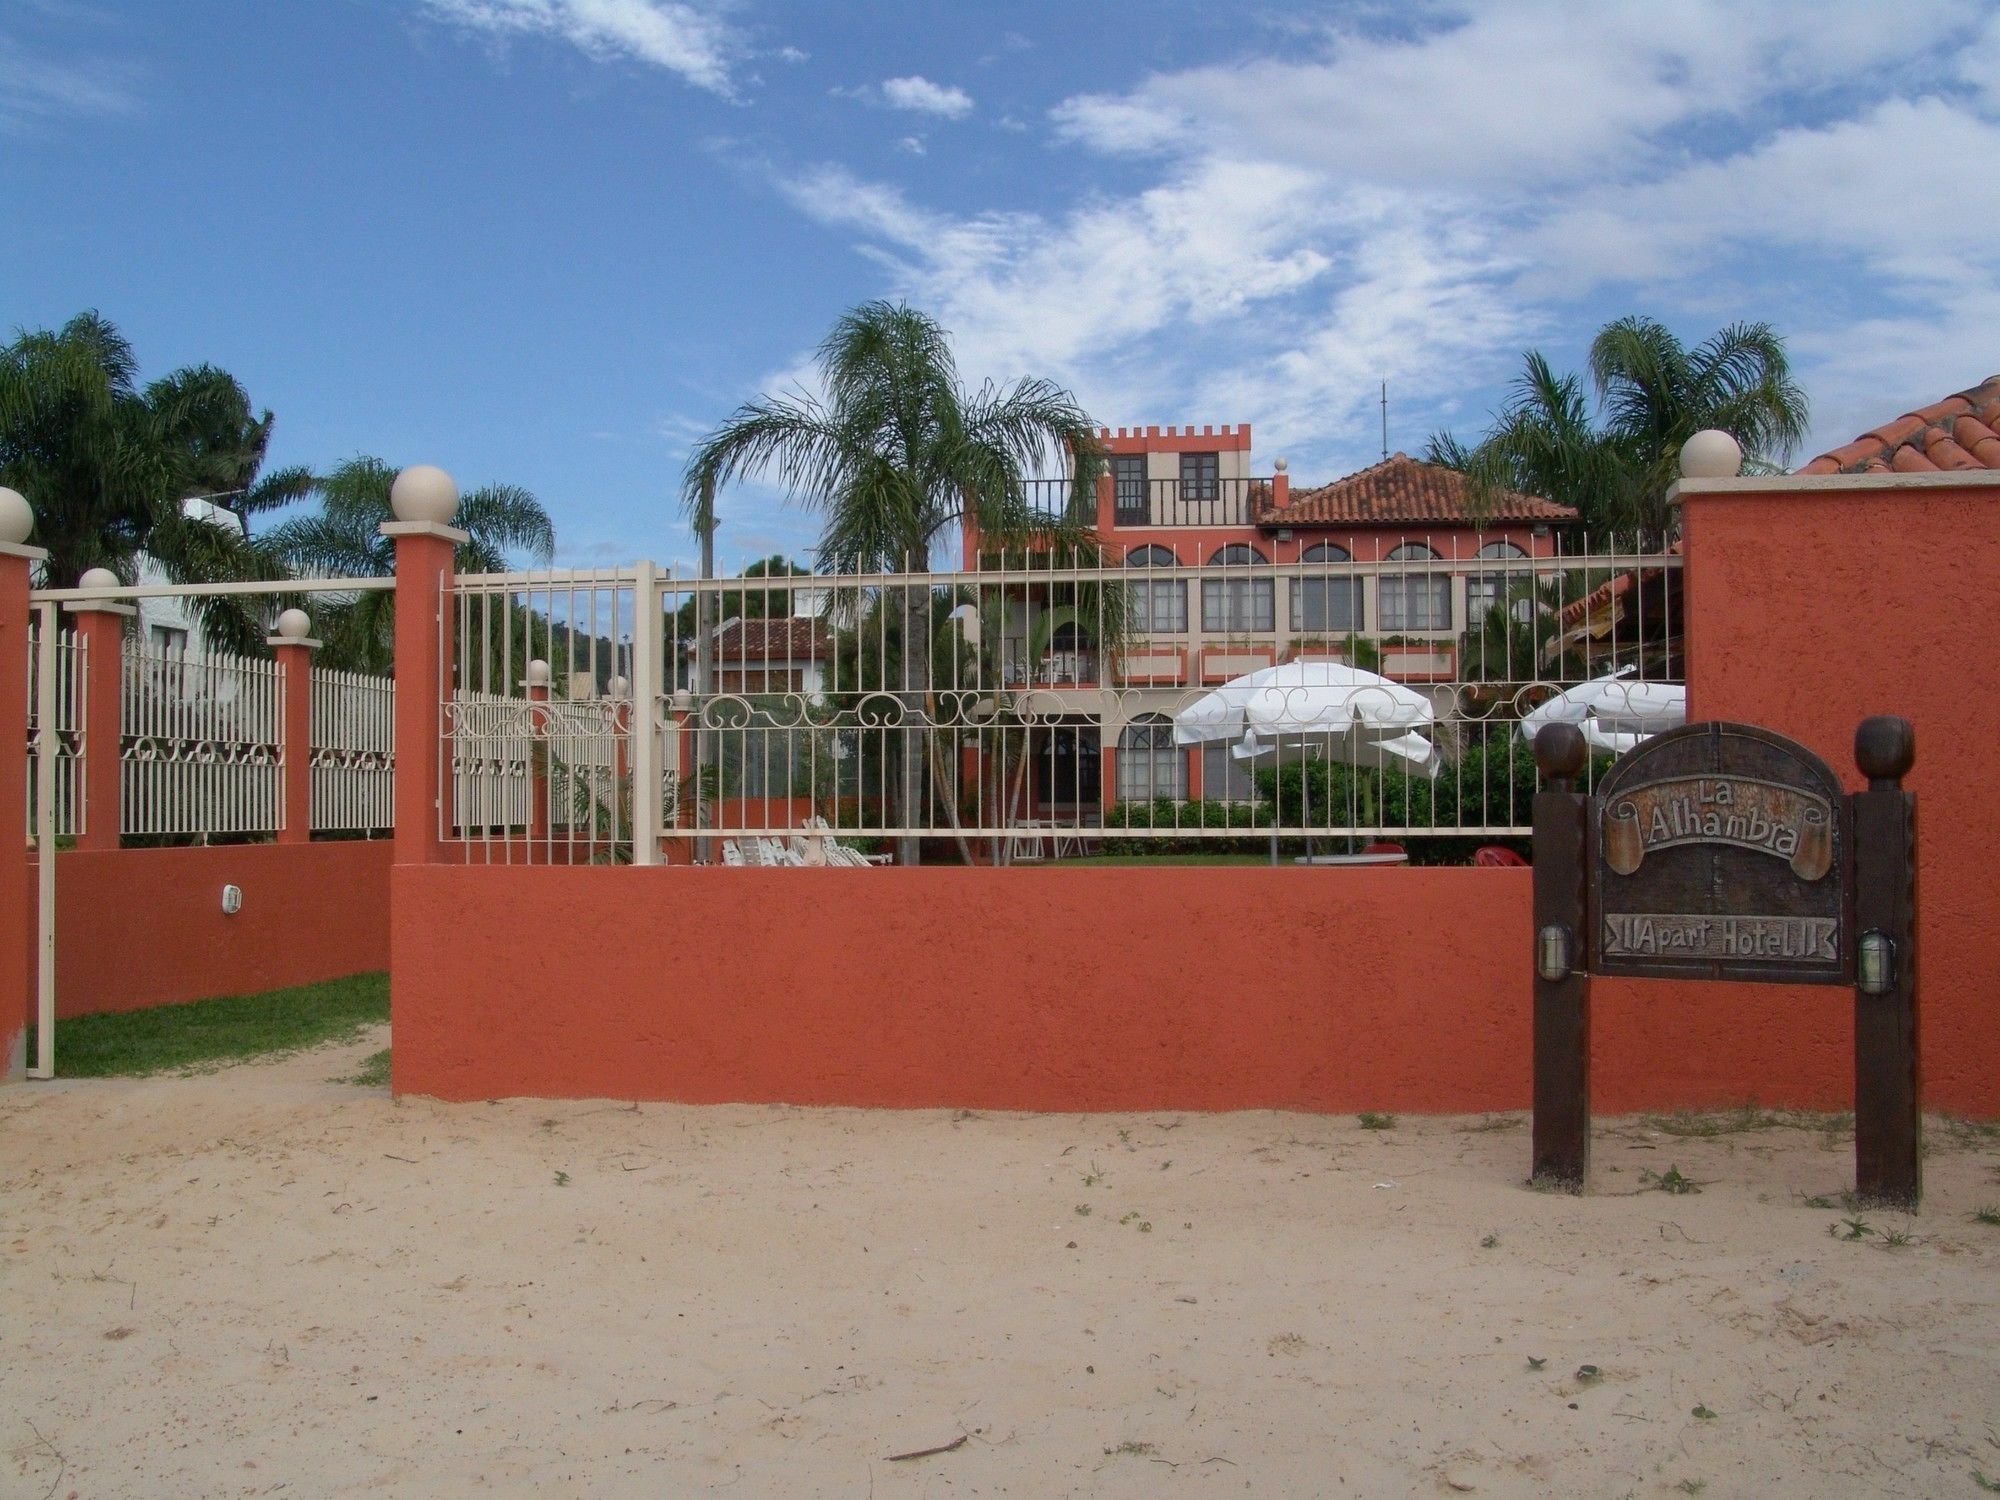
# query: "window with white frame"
[[1414, 601], [1159, 605], [1485, 590], [1151, 767], [1239, 606], [1326, 602]]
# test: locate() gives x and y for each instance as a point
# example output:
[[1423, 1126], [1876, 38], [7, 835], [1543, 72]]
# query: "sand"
[[261, 1282]]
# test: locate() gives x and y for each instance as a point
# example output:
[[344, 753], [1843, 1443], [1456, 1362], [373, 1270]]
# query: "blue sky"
[[551, 241]]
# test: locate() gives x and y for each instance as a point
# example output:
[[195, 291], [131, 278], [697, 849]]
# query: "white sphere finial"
[[17, 517], [1280, 465], [295, 624], [97, 578], [424, 492], [538, 673], [1711, 454], [618, 687]]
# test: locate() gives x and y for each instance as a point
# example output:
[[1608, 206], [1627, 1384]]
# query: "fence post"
[[17, 892], [294, 648], [101, 628], [537, 687], [646, 688], [424, 500]]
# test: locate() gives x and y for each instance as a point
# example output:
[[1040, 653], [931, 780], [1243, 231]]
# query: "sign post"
[[1725, 852]]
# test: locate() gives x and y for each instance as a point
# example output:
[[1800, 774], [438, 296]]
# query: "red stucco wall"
[[1238, 988], [1810, 609], [141, 927]]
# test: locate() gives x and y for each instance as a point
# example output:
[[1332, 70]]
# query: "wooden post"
[[1888, 1102], [1562, 986], [101, 628]]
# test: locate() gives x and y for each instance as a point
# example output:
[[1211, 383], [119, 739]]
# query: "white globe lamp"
[[294, 625], [538, 673], [98, 578]]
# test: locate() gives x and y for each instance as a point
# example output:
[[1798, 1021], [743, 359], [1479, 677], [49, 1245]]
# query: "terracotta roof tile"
[[792, 638], [1960, 432], [1399, 491]]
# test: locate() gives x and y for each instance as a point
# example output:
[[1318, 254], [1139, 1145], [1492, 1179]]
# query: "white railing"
[[353, 752], [1050, 703], [72, 683], [202, 749]]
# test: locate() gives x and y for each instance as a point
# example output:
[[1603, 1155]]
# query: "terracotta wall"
[[1812, 604], [142, 927]]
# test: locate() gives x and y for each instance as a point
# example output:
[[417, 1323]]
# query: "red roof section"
[[1399, 491], [792, 638], [1959, 432]]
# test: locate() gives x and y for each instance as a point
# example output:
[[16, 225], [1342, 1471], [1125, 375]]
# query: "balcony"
[[1158, 503]]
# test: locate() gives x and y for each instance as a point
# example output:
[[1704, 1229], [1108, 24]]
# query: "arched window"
[[1326, 598], [1414, 601], [1236, 606], [1484, 591], [1151, 767], [1159, 605]]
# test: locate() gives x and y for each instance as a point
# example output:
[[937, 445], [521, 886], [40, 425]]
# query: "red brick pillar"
[[17, 887], [101, 628], [425, 499], [294, 649]]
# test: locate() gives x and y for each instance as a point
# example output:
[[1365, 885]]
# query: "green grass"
[[210, 1033], [372, 1074]]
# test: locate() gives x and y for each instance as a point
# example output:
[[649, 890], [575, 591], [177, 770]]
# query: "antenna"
[[1385, 421]]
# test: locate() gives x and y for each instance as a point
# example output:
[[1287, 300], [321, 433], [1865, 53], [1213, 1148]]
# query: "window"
[[1159, 605], [1485, 590], [1128, 487], [1327, 603], [1414, 601], [1224, 778], [1235, 606], [169, 643], [1201, 476], [1151, 767]]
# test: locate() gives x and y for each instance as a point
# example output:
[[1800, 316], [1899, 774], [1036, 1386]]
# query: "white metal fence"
[[202, 750], [72, 682], [1044, 704], [353, 752]]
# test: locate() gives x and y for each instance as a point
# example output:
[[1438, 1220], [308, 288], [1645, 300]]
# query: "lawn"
[[207, 1033]]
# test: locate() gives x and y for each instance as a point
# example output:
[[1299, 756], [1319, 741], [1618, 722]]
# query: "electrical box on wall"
[[232, 900]]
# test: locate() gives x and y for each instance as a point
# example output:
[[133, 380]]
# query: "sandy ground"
[[261, 1282]]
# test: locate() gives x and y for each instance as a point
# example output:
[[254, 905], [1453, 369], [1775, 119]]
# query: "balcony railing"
[[1188, 502]]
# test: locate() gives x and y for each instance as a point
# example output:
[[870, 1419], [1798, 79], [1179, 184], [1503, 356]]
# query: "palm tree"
[[343, 539], [1653, 394], [106, 466], [894, 454]]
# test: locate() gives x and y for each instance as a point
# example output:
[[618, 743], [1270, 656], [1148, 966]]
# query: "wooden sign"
[[1726, 852], [1722, 853]]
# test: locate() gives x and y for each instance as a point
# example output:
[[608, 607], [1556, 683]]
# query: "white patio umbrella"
[[1327, 708], [1313, 710], [1614, 712]]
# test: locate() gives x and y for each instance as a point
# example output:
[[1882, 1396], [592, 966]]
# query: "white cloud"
[[662, 33], [923, 96], [1419, 205], [34, 86]]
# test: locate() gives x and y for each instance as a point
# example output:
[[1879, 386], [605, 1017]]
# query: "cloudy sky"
[[552, 241]]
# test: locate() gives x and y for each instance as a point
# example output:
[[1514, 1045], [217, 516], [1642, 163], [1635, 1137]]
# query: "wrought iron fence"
[[202, 749], [1047, 703], [71, 656], [353, 752]]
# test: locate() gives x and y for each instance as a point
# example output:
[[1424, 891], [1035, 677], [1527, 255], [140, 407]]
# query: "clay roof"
[[1959, 432], [792, 638], [1399, 491]]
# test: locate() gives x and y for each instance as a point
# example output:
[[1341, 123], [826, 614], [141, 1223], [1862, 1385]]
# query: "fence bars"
[[353, 752], [202, 751], [67, 669]]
